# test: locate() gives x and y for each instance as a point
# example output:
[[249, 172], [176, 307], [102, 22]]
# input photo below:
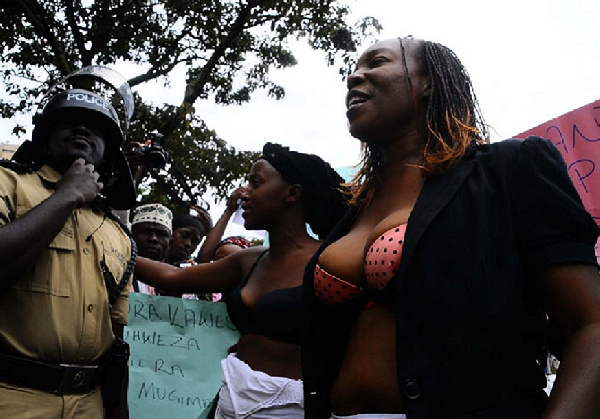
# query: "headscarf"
[[322, 197], [237, 240]]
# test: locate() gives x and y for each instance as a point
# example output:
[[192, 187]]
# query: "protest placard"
[[176, 350]]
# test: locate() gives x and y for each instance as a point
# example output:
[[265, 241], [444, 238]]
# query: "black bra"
[[278, 314]]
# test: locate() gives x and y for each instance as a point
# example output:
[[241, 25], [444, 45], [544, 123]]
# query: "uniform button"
[[411, 389], [86, 250], [91, 308]]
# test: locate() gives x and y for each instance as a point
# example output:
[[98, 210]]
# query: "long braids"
[[453, 115], [365, 182]]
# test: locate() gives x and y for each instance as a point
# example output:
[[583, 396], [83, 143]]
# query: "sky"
[[529, 60]]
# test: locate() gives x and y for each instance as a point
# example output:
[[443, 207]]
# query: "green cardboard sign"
[[176, 350]]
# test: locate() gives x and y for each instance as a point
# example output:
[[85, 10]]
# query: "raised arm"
[[572, 296], [207, 251], [23, 239]]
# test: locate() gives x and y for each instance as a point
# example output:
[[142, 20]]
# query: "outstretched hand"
[[80, 183]]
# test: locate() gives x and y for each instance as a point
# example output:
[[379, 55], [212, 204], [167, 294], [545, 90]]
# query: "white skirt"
[[253, 394]]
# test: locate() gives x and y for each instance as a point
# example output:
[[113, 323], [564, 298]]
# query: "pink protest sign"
[[577, 136]]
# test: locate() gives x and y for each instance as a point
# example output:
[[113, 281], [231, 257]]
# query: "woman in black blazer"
[[431, 298]]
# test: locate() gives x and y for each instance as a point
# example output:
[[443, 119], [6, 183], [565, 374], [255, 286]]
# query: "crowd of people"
[[433, 284]]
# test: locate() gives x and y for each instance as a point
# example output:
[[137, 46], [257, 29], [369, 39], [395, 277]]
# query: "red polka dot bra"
[[381, 264]]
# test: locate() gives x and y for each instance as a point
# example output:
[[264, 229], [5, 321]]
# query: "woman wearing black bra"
[[429, 299], [285, 191]]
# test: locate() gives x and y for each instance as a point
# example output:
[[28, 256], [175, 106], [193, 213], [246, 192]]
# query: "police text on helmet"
[[88, 99]]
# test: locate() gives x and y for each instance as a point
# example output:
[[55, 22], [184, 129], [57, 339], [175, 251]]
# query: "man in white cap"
[[151, 230]]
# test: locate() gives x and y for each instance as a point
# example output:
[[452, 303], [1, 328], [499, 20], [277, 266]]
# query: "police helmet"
[[119, 188], [72, 101]]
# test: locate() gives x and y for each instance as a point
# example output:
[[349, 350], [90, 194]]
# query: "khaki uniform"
[[58, 310]]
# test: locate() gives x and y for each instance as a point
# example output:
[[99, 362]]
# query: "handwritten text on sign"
[[176, 348]]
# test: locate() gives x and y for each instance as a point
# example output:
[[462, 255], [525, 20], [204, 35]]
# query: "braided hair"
[[453, 117]]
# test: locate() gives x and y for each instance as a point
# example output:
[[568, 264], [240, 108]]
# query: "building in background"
[[7, 150]]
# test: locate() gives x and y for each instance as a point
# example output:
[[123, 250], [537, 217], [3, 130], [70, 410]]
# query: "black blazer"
[[470, 330]]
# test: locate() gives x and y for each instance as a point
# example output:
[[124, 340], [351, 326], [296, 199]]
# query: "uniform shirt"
[[57, 310]]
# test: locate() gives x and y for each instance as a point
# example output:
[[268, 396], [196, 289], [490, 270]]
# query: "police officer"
[[65, 260]]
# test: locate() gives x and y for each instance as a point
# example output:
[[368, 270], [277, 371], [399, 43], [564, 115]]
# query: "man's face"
[[184, 242], [74, 137], [152, 240]]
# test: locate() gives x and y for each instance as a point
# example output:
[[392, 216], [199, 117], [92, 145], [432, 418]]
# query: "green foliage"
[[203, 160], [227, 47]]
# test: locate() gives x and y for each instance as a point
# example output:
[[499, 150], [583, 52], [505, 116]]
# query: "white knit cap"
[[153, 213]]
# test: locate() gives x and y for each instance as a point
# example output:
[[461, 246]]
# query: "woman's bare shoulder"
[[248, 255]]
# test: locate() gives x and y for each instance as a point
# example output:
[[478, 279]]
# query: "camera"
[[155, 157]]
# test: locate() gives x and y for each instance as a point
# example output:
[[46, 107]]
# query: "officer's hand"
[[80, 183]]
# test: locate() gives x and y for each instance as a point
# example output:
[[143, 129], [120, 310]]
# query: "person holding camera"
[[149, 155], [65, 263]]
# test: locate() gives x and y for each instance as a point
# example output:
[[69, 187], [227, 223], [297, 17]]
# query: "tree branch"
[[153, 73], [43, 30], [86, 58], [195, 87], [170, 190]]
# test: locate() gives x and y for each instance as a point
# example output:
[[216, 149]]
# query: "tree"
[[227, 47]]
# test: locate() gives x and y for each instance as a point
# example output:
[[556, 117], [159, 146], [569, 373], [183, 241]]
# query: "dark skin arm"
[[206, 252], [22, 240], [572, 296], [220, 276]]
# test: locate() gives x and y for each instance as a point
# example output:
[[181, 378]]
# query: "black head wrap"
[[322, 198]]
